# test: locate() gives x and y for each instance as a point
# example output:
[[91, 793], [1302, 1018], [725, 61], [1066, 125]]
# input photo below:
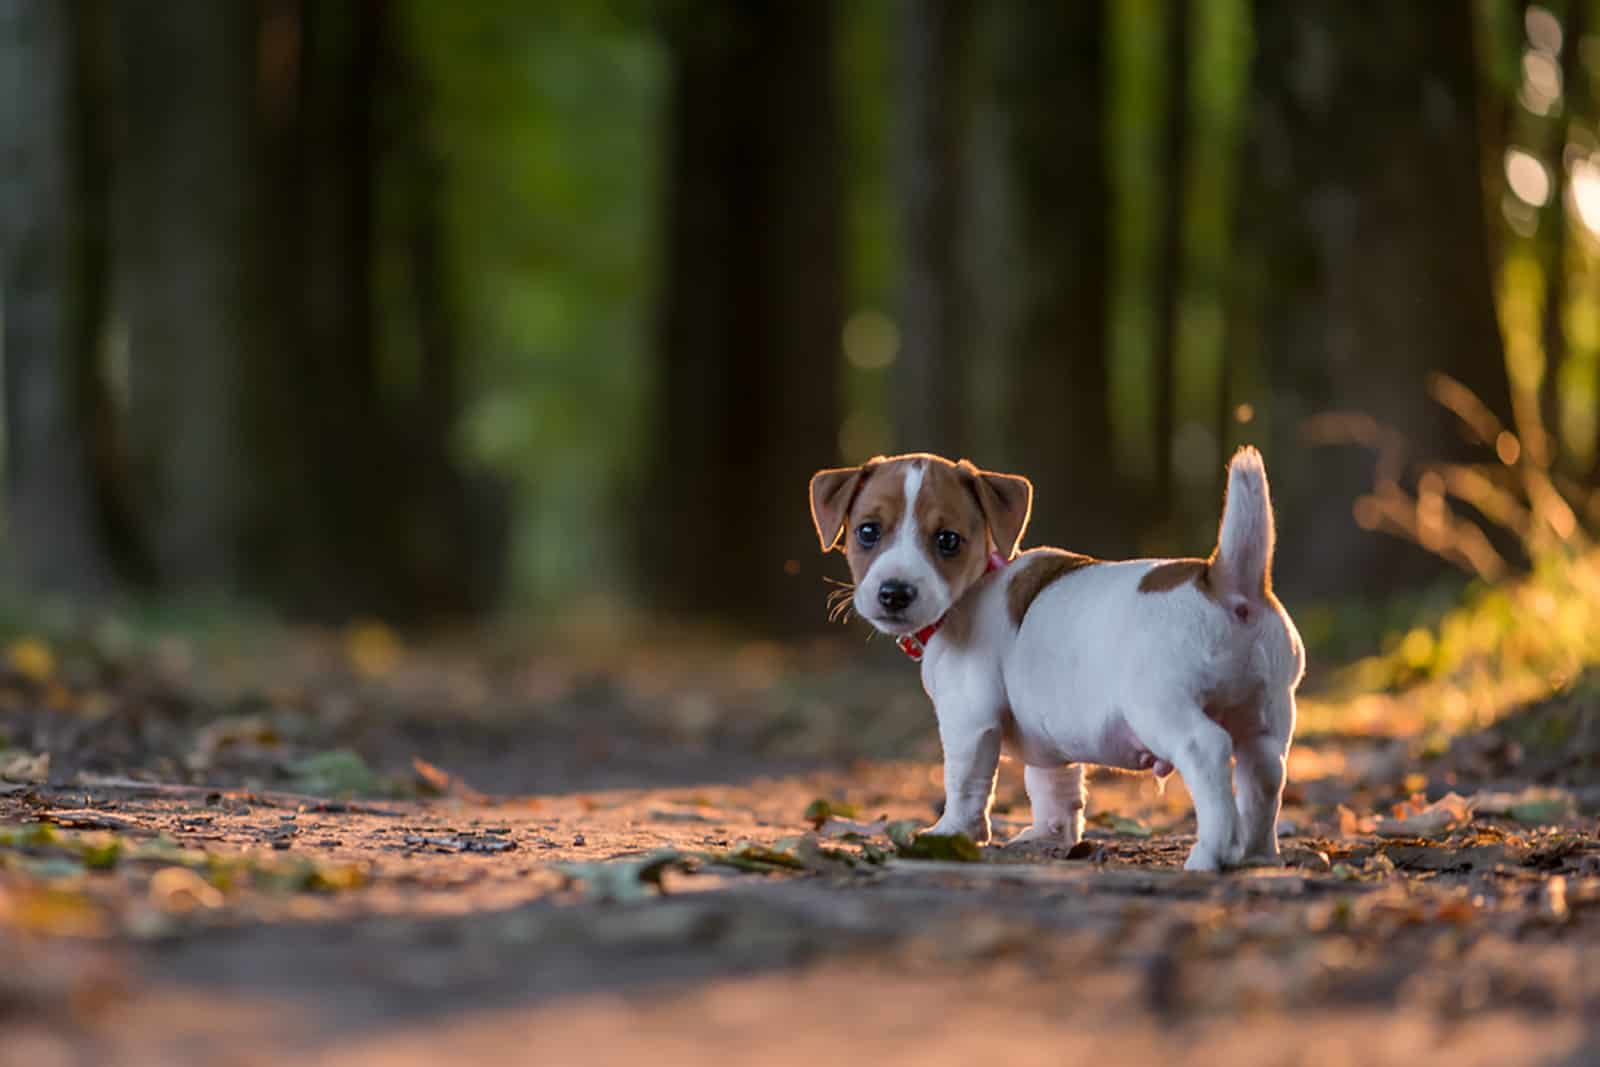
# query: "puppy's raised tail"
[[1241, 567]]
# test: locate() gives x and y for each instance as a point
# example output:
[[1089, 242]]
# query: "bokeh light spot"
[[871, 340], [1527, 177]]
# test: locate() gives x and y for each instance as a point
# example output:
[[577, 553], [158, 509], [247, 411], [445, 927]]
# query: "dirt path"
[[249, 928]]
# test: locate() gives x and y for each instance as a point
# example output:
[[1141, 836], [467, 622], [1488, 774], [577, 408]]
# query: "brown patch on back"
[[1165, 577], [1036, 571]]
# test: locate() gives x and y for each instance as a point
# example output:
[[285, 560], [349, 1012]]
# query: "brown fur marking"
[[1035, 571], [1165, 577], [946, 503], [960, 620], [984, 507]]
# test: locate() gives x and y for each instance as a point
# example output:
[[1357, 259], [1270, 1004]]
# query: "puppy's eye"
[[948, 542], [868, 533]]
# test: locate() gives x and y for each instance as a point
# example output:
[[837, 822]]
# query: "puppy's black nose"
[[896, 595]]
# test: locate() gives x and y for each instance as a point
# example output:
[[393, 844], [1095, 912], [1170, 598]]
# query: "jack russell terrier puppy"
[[1186, 664]]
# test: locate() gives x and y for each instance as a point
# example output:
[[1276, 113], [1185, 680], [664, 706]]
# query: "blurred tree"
[[929, 393], [1567, 127], [750, 313], [383, 519], [52, 291], [219, 255], [182, 263], [319, 432], [1051, 71], [1170, 254], [1361, 198]]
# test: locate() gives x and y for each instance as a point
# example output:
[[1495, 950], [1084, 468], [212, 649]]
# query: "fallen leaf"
[[338, 771], [753, 857], [1310, 859], [51, 868], [440, 782], [1533, 806], [246, 734], [1123, 825], [1437, 818], [1351, 824], [1438, 858], [901, 832], [25, 768], [821, 810], [621, 881], [816, 857], [178, 889], [100, 853], [665, 815], [61, 912], [850, 830], [1458, 910], [958, 848], [32, 659], [372, 648]]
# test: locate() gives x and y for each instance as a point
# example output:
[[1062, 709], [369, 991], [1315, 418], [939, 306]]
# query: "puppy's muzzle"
[[896, 596]]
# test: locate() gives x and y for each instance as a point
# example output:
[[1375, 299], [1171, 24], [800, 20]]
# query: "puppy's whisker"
[[839, 607]]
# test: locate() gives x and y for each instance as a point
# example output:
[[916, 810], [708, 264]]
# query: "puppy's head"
[[917, 530]]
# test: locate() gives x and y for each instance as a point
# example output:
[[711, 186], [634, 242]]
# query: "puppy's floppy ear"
[[1007, 502], [832, 492]]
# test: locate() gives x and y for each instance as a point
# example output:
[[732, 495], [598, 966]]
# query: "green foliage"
[[548, 117], [951, 848], [821, 810], [340, 772]]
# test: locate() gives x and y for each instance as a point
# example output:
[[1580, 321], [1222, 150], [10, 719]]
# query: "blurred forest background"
[[426, 312]]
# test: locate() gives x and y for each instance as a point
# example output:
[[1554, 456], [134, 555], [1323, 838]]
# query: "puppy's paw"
[[1261, 858], [1045, 836], [977, 828], [1203, 858]]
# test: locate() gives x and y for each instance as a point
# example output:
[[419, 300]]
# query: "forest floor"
[[369, 856]]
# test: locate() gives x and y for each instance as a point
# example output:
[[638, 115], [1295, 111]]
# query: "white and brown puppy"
[[1065, 660]]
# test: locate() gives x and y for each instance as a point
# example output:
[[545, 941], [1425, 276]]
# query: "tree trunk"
[[1169, 257], [1052, 74], [929, 392], [51, 303], [1553, 228], [335, 526], [457, 519], [750, 315], [183, 276], [1362, 201]]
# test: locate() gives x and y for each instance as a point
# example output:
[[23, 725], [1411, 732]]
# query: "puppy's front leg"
[[1057, 796], [971, 762]]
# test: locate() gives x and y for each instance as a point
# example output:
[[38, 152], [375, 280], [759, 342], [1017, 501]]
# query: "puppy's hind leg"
[[1258, 780], [1057, 796], [1203, 757]]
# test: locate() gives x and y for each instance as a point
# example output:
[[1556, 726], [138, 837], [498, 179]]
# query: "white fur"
[[1245, 541], [1100, 672], [905, 557]]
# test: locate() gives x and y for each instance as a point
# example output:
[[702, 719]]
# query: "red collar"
[[915, 644]]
